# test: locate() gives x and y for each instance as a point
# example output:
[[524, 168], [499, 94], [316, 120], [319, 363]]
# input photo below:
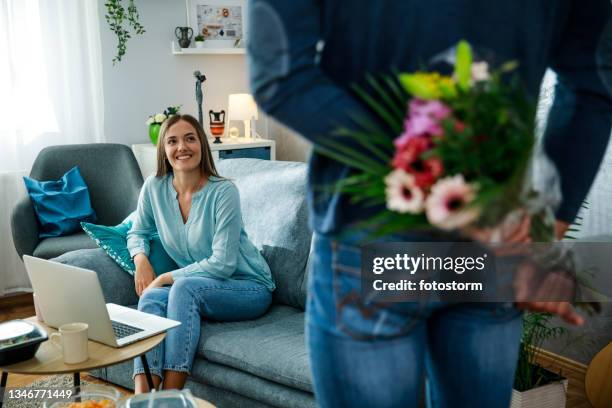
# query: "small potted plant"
[[199, 41], [155, 121], [534, 386]]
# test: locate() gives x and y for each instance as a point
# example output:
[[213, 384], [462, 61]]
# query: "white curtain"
[[50, 93], [50, 77], [13, 276]]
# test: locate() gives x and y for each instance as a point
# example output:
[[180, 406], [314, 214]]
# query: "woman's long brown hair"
[[207, 165]]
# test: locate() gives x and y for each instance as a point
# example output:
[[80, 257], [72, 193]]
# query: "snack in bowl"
[[93, 404], [89, 396]]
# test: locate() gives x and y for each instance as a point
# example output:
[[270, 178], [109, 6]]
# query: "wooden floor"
[[16, 307], [21, 306]]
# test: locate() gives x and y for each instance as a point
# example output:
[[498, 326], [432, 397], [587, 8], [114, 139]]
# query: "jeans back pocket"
[[362, 318]]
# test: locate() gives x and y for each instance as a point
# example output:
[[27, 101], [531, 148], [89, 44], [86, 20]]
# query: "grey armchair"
[[113, 179]]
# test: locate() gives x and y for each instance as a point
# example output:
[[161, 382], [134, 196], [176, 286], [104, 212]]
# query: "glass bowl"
[[88, 396], [162, 399]]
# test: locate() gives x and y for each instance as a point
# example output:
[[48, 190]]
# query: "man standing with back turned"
[[304, 57]]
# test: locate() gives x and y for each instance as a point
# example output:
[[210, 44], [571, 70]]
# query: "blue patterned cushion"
[[60, 204], [113, 240]]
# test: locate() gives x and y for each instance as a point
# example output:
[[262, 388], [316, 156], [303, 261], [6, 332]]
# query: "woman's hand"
[[161, 280], [144, 274]]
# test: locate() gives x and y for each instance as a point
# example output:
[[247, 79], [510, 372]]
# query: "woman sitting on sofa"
[[221, 276]]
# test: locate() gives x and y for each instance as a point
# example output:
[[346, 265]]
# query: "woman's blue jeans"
[[378, 355], [187, 301]]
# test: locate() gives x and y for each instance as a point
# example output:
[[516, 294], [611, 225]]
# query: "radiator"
[[13, 276]]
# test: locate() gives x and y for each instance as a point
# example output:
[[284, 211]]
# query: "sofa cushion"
[[272, 347], [275, 215], [113, 240], [51, 247], [229, 381]]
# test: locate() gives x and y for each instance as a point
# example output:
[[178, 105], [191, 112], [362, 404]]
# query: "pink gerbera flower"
[[410, 159], [424, 119], [448, 204], [403, 195], [434, 109]]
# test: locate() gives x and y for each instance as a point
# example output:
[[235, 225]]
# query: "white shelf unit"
[[176, 50], [146, 153]]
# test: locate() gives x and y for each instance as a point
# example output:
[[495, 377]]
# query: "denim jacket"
[[305, 56]]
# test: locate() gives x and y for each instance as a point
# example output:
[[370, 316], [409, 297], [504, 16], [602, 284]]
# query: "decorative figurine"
[[200, 78], [184, 39], [217, 124]]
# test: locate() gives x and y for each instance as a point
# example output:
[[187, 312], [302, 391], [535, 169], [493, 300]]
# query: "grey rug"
[[56, 381]]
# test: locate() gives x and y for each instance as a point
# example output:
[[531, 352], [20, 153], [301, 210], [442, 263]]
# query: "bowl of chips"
[[88, 396]]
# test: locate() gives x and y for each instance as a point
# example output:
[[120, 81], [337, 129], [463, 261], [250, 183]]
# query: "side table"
[[50, 361]]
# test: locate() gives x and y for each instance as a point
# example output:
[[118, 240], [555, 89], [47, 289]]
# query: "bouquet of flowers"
[[461, 156], [461, 150]]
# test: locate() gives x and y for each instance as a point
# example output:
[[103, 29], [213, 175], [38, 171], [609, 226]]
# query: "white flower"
[[447, 206], [403, 195], [150, 121], [480, 72], [160, 117]]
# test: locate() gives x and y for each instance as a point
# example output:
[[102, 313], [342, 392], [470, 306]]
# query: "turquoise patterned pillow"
[[113, 240]]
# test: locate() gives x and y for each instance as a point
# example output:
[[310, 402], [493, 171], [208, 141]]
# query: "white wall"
[[150, 78], [289, 145], [597, 217]]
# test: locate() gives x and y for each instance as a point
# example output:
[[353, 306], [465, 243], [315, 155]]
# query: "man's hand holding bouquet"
[[460, 159]]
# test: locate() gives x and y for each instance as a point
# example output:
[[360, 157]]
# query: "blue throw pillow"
[[60, 205], [113, 240]]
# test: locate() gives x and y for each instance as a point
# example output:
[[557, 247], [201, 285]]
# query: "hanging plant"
[[116, 17]]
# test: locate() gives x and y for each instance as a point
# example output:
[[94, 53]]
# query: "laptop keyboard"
[[123, 330]]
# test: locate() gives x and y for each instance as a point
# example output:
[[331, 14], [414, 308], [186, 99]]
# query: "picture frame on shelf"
[[223, 23]]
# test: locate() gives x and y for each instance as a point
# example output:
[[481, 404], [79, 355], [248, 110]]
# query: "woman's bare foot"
[[141, 386], [174, 380]]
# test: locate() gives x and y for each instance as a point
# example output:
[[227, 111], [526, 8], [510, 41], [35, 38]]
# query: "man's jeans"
[[186, 301], [377, 355]]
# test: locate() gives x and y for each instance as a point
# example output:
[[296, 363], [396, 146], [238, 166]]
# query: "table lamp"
[[243, 107]]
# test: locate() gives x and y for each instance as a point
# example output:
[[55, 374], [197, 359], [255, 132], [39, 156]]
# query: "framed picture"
[[221, 22]]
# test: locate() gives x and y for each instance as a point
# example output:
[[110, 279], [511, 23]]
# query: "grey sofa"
[[113, 179], [255, 363]]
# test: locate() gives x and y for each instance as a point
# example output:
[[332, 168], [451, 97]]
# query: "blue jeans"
[[187, 301], [378, 355]]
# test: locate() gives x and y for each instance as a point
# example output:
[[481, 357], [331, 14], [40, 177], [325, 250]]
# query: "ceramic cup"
[[73, 339]]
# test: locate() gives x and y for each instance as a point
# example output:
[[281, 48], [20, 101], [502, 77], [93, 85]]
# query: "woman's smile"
[[183, 156]]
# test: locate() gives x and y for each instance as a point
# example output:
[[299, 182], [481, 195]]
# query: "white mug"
[[73, 339]]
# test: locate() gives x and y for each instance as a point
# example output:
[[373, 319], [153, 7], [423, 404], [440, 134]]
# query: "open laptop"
[[67, 294]]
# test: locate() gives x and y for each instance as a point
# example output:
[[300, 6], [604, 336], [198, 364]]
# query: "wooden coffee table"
[[49, 360]]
